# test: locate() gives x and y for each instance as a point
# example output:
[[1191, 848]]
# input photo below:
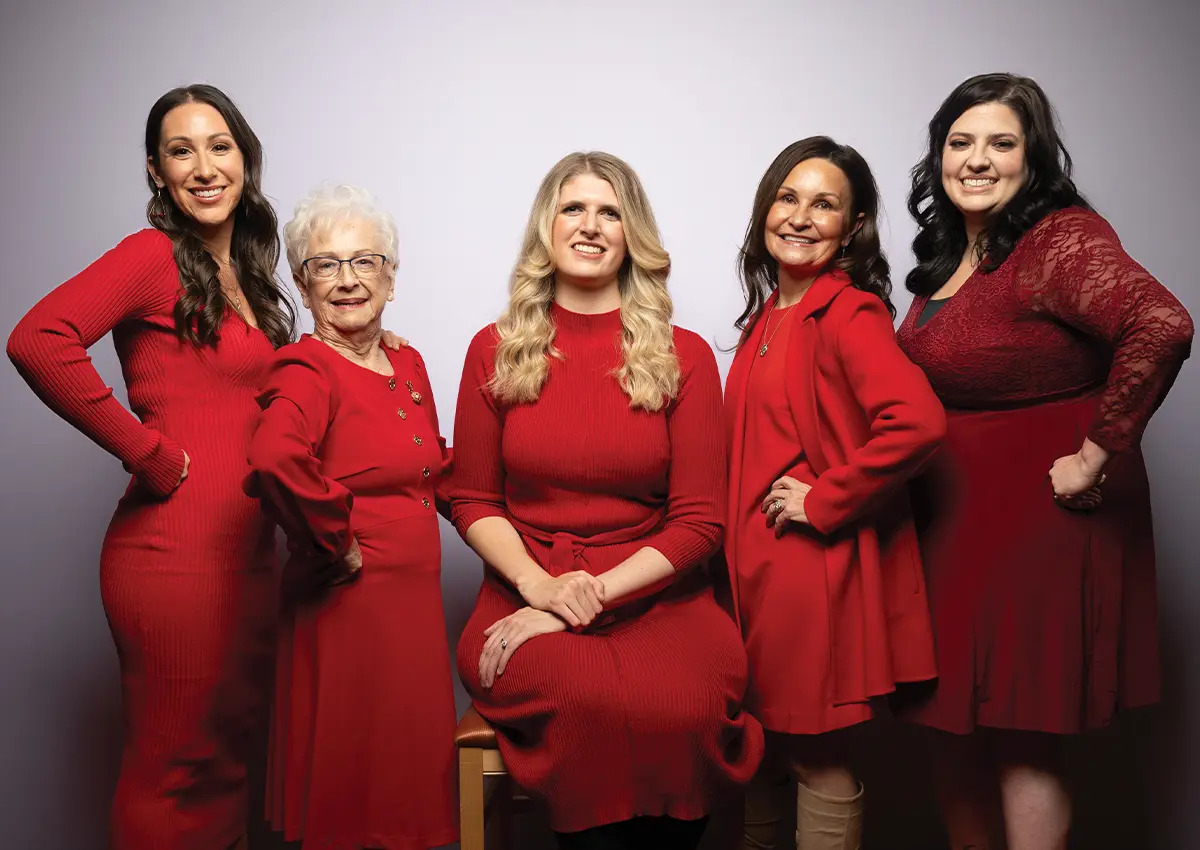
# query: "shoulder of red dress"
[[408, 355], [851, 301], [487, 335], [1072, 219], [690, 346], [485, 341], [308, 349]]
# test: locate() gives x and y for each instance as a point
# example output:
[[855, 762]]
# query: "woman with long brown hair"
[[186, 569], [827, 420]]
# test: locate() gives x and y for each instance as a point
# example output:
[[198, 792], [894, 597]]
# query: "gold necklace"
[[230, 294], [762, 351]]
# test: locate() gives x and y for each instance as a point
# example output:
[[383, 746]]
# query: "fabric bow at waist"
[[566, 547]]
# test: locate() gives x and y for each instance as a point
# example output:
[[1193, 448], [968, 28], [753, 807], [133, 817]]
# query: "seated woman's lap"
[[684, 645]]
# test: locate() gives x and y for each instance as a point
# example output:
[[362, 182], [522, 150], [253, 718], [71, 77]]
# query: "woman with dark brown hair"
[[1050, 348], [186, 568], [827, 420]]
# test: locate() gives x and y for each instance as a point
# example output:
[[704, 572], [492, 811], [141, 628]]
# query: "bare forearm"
[[645, 567], [496, 541]]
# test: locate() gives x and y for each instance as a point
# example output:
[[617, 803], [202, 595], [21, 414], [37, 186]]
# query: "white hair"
[[328, 204]]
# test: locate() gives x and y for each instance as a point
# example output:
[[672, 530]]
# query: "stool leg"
[[470, 798]]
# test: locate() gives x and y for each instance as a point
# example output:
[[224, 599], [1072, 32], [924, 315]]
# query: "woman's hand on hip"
[[347, 568], [785, 503], [505, 636], [1075, 483], [577, 597]]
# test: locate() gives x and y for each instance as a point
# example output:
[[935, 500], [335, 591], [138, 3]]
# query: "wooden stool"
[[478, 758]]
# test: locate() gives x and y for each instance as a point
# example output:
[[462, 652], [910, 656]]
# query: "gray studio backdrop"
[[452, 112]]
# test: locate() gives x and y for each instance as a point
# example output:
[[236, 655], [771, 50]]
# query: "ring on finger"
[[504, 643], [777, 505]]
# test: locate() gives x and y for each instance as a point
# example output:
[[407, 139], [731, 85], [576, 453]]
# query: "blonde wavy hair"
[[649, 374]]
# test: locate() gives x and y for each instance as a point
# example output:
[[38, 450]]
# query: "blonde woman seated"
[[590, 479]]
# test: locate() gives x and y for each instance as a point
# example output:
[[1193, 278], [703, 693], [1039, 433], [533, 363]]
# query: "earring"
[[160, 207]]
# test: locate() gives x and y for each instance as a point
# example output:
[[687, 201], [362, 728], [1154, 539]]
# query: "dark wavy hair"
[[254, 253], [863, 261], [941, 237]]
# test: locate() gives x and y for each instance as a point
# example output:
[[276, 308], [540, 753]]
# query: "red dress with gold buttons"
[[362, 738]]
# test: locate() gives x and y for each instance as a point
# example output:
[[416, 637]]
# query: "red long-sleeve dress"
[[362, 735], [833, 612], [641, 713], [1045, 618], [185, 572]]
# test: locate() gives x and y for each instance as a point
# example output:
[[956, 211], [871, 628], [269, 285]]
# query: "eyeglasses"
[[327, 268]]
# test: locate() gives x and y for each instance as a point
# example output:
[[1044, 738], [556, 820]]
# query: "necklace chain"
[[230, 293], [770, 335]]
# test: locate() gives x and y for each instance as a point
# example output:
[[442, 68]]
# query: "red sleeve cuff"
[[160, 469], [466, 514]]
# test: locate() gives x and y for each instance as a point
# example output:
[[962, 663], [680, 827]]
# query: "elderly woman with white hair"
[[347, 458]]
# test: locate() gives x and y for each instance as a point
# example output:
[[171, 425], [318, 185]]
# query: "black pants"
[[643, 833]]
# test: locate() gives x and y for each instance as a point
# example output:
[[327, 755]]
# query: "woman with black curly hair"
[[827, 420], [1050, 348]]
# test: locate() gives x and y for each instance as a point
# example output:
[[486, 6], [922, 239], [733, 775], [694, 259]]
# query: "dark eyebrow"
[[189, 141], [789, 189], [992, 136]]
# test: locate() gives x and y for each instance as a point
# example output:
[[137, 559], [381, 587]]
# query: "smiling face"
[[983, 161], [200, 165], [810, 220], [587, 238], [351, 302]]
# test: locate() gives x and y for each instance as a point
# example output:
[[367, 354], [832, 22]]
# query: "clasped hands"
[[573, 600]]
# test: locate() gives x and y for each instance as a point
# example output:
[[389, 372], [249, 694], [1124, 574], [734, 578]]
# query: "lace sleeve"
[[1076, 270]]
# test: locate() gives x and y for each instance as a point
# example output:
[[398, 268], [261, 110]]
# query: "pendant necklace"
[[762, 350], [231, 295]]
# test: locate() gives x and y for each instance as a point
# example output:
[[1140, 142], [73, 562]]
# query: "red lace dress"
[[1045, 618]]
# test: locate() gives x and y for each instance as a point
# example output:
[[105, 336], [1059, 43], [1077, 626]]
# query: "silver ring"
[[777, 505], [504, 643]]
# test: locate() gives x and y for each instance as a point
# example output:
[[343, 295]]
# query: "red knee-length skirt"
[[1045, 618]]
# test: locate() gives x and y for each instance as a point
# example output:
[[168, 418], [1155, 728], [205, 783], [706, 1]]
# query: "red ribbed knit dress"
[[641, 713], [185, 574], [362, 738]]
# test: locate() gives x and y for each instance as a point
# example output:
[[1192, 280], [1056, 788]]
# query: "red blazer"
[[868, 421]]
